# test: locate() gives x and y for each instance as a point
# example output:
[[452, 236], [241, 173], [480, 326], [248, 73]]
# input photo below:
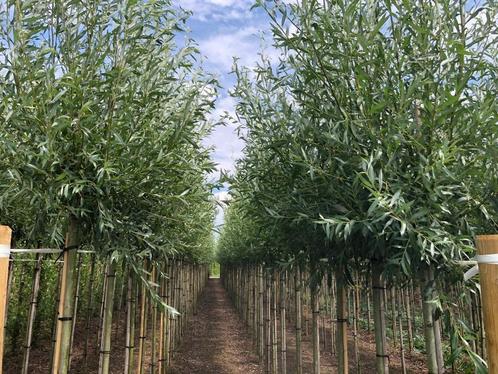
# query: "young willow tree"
[[380, 125], [101, 121]]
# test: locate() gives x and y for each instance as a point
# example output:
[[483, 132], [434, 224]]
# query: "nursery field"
[[358, 229]]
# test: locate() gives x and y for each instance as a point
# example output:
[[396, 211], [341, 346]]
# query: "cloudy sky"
[[225, 29]]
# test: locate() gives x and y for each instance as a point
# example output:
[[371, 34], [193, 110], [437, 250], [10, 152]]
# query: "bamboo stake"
[[283, 331], [55, 318], [62, 349], [428, 313], [267, 326], [105, 346], [154, 326], [261, 343], [76, 302], [143, 330], [378, 292], [488, 245], [32, 313], [274, 343], [5, 239], [406, 293], [315, 302], [299, 355], [356, 313], [400, 320], [89, 309], [130, 325], [342, 327]]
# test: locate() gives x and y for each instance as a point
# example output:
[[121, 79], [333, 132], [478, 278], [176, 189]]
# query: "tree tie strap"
[[491, 259], [383, 356], [66, 249], [105, 352], [129, 346], [65, 319]]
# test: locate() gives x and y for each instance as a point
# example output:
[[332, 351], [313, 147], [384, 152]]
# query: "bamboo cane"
[[62, 349], [299, 355], [76, 302], [32, 313], [315, 302], [378, 292], [342, 335], [130, 325], [274, 343], [283, 331], [105, 346], [89, 309]]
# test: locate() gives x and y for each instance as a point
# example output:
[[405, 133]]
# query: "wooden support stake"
[[5, 238], [488, 245]]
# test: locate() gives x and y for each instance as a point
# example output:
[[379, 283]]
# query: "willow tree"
[[403, 95], [102, 118], [379, 123]]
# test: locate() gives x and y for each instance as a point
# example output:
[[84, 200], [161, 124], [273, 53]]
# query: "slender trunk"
[[428, 313], [274, 344], [32, 313], [261, 344], [378, 291], [105, 345], [153, 337], [342, 327], [400, 320], [89, 309], [439, 345], [315, 302], [299, 308], [408, 306], [356, 311], [143, 330], [130, 325], [62, 349], [76, 300], [283, 337]]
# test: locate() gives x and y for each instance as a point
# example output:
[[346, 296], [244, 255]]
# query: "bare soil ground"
[[217, 341]]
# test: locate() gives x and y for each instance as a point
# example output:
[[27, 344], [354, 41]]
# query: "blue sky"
[[225, 29]]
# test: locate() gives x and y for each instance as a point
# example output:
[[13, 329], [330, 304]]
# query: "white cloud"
[[209, 10], [244, 43], [225, 140]]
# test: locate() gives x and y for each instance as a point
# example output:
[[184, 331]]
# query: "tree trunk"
[[428, 313], [130, 325], [378, 291], [315, 303], [32, 313], [283, 331], [299, 308], [105, 345], [342, 327], [62, 349]]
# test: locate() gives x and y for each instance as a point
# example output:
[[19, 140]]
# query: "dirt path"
[[216, 341]]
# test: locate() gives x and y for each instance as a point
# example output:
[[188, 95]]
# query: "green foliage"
[[373, 139], [102, 118]]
